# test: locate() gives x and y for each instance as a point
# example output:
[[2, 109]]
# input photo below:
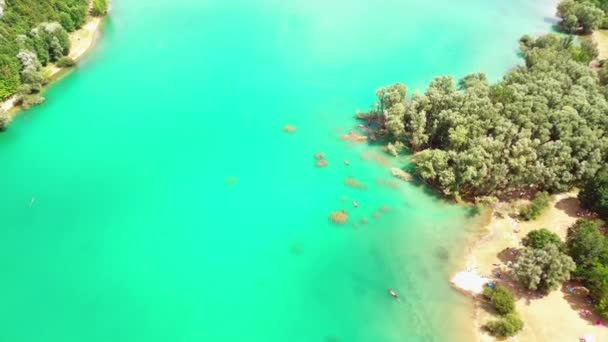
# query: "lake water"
[[155, 197]]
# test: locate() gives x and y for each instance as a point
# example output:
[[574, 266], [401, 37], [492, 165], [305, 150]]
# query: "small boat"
[[346, 163], [355, 204], [393, 293]]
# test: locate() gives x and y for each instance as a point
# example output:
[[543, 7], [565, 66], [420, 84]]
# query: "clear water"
[[135, 234]]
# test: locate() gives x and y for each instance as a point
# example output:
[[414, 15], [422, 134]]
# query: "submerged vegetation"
[[542, 127], [34, 33]]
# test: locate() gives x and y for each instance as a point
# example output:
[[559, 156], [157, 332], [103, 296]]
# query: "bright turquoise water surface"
[[135, 233]]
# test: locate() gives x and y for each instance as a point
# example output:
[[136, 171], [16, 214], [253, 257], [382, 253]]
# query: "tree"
[[583, 15], [507, 326], [586, 245], [542, 127], [589, 17], [501, 299], [542, 269], [594, 195], [539, 238]]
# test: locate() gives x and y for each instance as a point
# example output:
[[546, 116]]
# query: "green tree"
[[594, 195], [539, 238], [589, 17], [577, 14], [543, 269], [542, 127], [586, 244]]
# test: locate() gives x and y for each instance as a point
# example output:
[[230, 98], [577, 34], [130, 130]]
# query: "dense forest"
[[542, 127], [34, 33]]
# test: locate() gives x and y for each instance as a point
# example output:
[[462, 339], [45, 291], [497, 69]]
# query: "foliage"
[[533, 210], [594, 195], [38, 26], [66, 62], [543, 269], [586, 244], [578, 16], [99, 7], [539, 238], [501, 299], [543, 126], [507, 326]]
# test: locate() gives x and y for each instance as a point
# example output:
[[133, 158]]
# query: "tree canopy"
[[39, 27], [539, 238], [543, 126], [543, 269]]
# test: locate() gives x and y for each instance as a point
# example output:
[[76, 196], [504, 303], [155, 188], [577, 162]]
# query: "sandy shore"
[[81, 41], [555, 317]]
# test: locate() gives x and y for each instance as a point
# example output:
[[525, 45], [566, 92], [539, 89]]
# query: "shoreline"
[[82, 41], [489, 253]]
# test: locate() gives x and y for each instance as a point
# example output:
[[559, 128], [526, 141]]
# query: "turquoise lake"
[[155, 196]]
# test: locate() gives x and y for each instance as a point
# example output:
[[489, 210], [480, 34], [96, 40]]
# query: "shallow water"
[[170, 206]]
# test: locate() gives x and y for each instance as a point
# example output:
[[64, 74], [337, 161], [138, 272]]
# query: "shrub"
[[507, 326], [539, 238], [501, 299], [66, 62], [533, 210]]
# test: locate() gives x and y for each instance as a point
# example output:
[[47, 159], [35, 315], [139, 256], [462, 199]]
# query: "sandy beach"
[[555, 317], [81, 41]]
